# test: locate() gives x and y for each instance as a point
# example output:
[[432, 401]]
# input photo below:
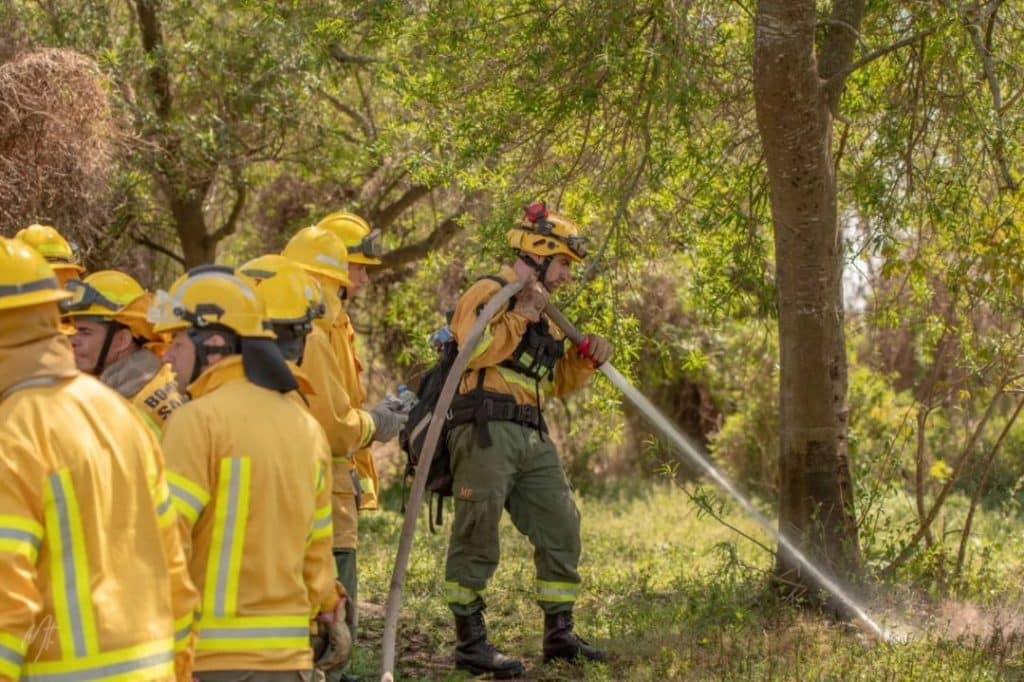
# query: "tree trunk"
[[795, 122]]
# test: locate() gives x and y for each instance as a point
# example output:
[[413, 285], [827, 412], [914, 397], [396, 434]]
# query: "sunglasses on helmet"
[[85, 296], [370, 246]]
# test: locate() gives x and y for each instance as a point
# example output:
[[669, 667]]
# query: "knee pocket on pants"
[[476, 525]]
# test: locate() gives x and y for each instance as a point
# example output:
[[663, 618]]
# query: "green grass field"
[[671, 594]]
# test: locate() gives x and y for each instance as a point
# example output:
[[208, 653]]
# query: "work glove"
[[595, 349], [530, 301], [388, 420], [333, 642]]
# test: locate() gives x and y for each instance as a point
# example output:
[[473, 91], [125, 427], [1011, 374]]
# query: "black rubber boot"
[[562, 644], [478, 656]]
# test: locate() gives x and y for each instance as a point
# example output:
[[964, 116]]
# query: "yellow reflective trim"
[[368, 429], [321, 478], [458, 594], [255, 622], [486, 339], [220, 598], [182, 630], [22, 523], [20, 535], [241, 522], [23, 548], [81, 558], [9, 669], [16, 644], [12, 655], [122, 664], [153, 426], [72, 593], [189, 498], [514, 377], [165, 513], [548, 591], [254, 644]]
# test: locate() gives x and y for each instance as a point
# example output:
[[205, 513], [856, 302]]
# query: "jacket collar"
[[32, 346], [227, 370]]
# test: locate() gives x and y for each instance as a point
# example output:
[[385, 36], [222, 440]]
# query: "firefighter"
[[349, 429], [249, 471], [58, 252], [112, 339], [82, 491], [501, 455], [363, 249]]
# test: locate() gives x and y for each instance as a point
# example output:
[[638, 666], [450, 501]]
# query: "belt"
[[474, 408]]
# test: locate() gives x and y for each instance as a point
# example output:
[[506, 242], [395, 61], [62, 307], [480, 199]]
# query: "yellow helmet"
[[291, 295], [321, 252], [54, 248], [25, 277], [545, 233], [210, 295], [265, 266], [114, 296], [363, 244]]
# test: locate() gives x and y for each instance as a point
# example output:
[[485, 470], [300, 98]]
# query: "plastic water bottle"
[[404, 401], [407, 397]]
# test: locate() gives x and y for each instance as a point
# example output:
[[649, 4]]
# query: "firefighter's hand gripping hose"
[[451, 385]]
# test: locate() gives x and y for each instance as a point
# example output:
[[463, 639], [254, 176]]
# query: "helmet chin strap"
[[108, 338], [540, 268]]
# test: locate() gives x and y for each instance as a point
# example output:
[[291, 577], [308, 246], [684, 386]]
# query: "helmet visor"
[[84, 297], [370, 246], [164, 310]]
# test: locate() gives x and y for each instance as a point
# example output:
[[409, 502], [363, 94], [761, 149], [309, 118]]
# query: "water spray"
[[696, 457]]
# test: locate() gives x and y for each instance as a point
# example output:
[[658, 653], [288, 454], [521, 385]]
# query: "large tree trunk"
[[795, 121]]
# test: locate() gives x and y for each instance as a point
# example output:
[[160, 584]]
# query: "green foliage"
[[671, 595]]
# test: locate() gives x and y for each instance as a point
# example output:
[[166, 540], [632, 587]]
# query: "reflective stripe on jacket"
[[250, 477]]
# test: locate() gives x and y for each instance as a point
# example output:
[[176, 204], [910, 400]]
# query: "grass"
[[670, 595]]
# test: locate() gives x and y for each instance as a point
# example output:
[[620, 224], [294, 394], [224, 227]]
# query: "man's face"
[[181, 355], [359, 276], [88, 343], [559, 273]]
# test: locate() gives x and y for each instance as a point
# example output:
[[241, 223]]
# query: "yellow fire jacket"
[[500, 340], [348, 428], [250, 476], [148, 383], [93, 579], [343, 338]]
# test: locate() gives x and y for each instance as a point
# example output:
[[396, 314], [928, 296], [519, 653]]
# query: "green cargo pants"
[[519, 472]]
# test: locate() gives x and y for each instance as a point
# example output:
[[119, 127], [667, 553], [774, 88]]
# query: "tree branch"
[[838, 45], [836, 80], [441, 235], [972, 24], [348, 110], [159, 248], [231, 224], [387, 215], [342, 57]]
